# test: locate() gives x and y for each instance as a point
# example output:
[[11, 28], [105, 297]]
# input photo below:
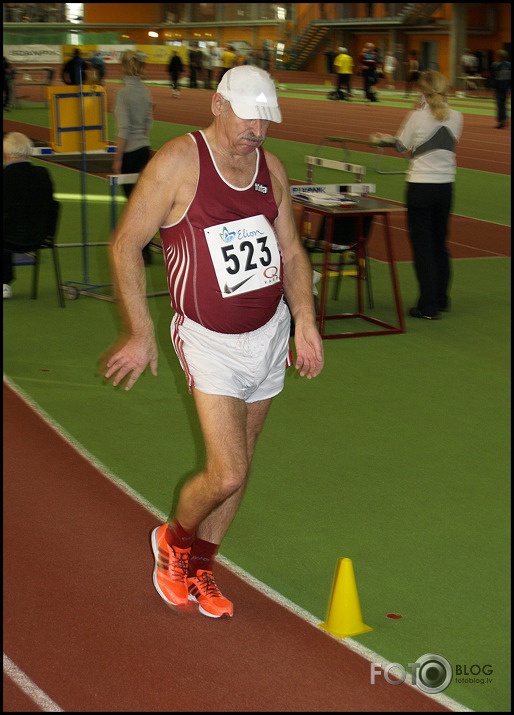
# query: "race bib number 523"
[[244, 254]]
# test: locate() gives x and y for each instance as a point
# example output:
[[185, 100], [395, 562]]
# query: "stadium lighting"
[[74, 11]]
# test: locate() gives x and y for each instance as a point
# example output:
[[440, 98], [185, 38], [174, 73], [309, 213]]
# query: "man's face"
[[243, 135]]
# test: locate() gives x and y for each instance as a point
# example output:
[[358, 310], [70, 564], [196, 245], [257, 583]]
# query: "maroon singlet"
[[194, 289]]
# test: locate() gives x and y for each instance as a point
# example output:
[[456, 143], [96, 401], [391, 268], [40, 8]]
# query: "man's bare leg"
[[209, 501], [214, 527]]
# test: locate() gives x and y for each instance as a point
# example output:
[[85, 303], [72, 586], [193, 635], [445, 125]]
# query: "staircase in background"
[[307, 44], [416, 13], [412, 13]]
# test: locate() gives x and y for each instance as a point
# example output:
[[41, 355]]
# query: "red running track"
[[82, 619]]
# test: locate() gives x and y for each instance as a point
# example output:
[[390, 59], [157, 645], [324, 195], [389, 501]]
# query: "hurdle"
[[49, 154], [313, 161], [344, 141], [27, 81], [75, 288]]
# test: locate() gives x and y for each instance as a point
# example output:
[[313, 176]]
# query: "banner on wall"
[[156, 54], [33, 54], [112, 54], [86, 51]]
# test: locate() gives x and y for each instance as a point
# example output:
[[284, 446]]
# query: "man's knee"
[[225, 481]]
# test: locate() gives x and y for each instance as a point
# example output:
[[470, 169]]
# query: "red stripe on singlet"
[[178, 343]]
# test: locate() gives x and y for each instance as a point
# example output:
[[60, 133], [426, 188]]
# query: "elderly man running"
[[232, 254]]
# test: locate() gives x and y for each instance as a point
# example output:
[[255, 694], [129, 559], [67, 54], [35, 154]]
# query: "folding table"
[[364, 207]]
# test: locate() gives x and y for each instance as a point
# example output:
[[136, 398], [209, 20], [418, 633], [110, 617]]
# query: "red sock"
[[178, 536], [202, 556]]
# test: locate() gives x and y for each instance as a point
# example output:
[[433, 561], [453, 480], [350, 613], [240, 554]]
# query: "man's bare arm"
[[297, 276], [149, 207]]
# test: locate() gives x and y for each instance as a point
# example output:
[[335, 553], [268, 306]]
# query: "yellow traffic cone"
[[344, 611]]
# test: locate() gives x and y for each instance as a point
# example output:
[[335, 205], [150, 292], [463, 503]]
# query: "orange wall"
[[306, 12], [503, 35], [122, 12]]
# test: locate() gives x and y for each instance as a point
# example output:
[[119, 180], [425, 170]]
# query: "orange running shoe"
[[170, 572], [211, 602]]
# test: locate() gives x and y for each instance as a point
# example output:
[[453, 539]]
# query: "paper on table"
[[326, 199]]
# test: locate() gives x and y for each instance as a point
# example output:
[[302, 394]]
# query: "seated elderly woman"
[[28, 203]]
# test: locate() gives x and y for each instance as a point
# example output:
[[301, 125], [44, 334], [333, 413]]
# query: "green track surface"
[[397, 456], [471, 186]]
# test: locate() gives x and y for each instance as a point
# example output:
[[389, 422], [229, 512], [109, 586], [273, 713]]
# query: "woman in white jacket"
[[430, 134]]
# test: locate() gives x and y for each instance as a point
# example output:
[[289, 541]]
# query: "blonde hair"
[[131, 65], [434, 86], [17, 145]]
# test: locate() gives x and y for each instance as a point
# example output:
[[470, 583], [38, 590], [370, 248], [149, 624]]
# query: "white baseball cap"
[[251, 93]]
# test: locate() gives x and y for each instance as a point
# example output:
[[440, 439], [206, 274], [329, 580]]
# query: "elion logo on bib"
[[261, 188]]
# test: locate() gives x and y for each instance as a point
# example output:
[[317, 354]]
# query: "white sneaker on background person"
[[7, 291]]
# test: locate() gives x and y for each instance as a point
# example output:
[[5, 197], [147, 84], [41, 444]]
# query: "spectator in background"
[[193, 67], [468, 63], [368, 63], [199, 63], [469, 66], [390, 65], [429, 134], [343, 65], [411, 71], [28, 194], [134, 117], [229, 61], [7, 81], [250, 58], [265, 57], [208, 64], [98, 66], [479, 65], [500, 76], [330, 56], [72, 70], [217, 63], [175, 69]]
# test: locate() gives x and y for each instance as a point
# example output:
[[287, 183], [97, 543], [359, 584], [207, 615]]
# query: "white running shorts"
[[250, 366]]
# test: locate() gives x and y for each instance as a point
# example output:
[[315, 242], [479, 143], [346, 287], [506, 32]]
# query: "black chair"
[[49, 242], [345, 246], [31, 233]]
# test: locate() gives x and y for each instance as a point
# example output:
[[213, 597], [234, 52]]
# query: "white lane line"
[[237, 570], [30, 689]]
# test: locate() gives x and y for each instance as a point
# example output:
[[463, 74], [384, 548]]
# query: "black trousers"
[[369, 81], [428, 211], [501, 101], [343, 80], [133, 162]]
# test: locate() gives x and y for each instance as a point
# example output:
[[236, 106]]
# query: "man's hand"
[[309, 350], [129, 356]]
